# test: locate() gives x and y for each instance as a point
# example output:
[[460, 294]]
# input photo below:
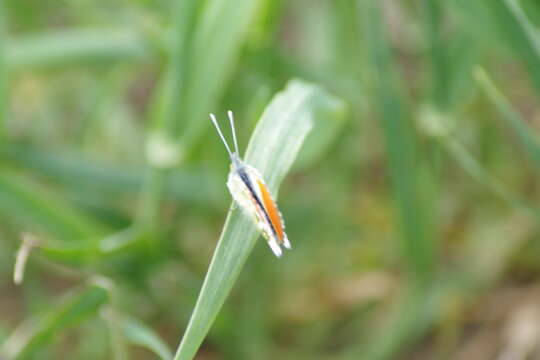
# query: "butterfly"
[[250, 192]]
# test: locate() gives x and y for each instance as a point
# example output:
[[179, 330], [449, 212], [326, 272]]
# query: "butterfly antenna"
[[213, 117], [231, 119]]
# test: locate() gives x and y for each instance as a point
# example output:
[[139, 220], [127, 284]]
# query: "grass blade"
[[507, 19], [475, 169], [411, 316], [30, 336], [101, 180], [437, 125], [64, 48], [3, 68], [438, 53], [520, 34], [525, 133], [272, 149], [27, 203], [174, 81], [216, 37], [193, 66], [401, 148], [138, 333], [166, 110]]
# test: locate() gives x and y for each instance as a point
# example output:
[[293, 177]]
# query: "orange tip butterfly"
[[250, 192]]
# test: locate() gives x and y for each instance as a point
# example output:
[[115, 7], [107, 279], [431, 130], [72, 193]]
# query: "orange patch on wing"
[[271, 209]]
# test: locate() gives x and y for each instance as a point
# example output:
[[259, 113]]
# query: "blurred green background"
[[413, 213]]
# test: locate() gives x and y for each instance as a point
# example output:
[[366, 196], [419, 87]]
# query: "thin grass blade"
[[526, 135], [33, 334], [138, 333], [519, 33], [75, 47], [438, 53], [507, 19], [31, 206], [401, 148], [216, 38], [104, 181], [201, 36], [3, 68], [411, 314], [478, 172]]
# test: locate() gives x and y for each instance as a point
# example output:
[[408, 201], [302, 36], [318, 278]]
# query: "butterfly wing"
[[251, 193]]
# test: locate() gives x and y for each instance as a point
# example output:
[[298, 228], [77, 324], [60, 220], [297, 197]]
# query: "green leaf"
[[272, 150], [138, 333], [31, 335]]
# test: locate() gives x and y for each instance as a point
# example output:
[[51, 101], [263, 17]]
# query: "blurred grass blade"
[[75, 47], [436, 125], [102, 180], [272, 149], [415, 206], [525, 133], [166, 109], [79, 252], [522, 35], [331, 120], [31, 335], [28, 204], [199, 38], [174, 80], [3, 69], [480, 174], [417, 241], [138, 333], [217, 39], [118, 344], [450, 57], [503, 239], [519, 33], [510, 23], [417, 311], [349, 52], [438, 53], [532, 9]]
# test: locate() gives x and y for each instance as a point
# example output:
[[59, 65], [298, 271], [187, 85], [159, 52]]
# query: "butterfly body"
[[250, 192]]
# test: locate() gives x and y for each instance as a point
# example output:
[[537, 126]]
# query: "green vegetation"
[[401, 136]]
